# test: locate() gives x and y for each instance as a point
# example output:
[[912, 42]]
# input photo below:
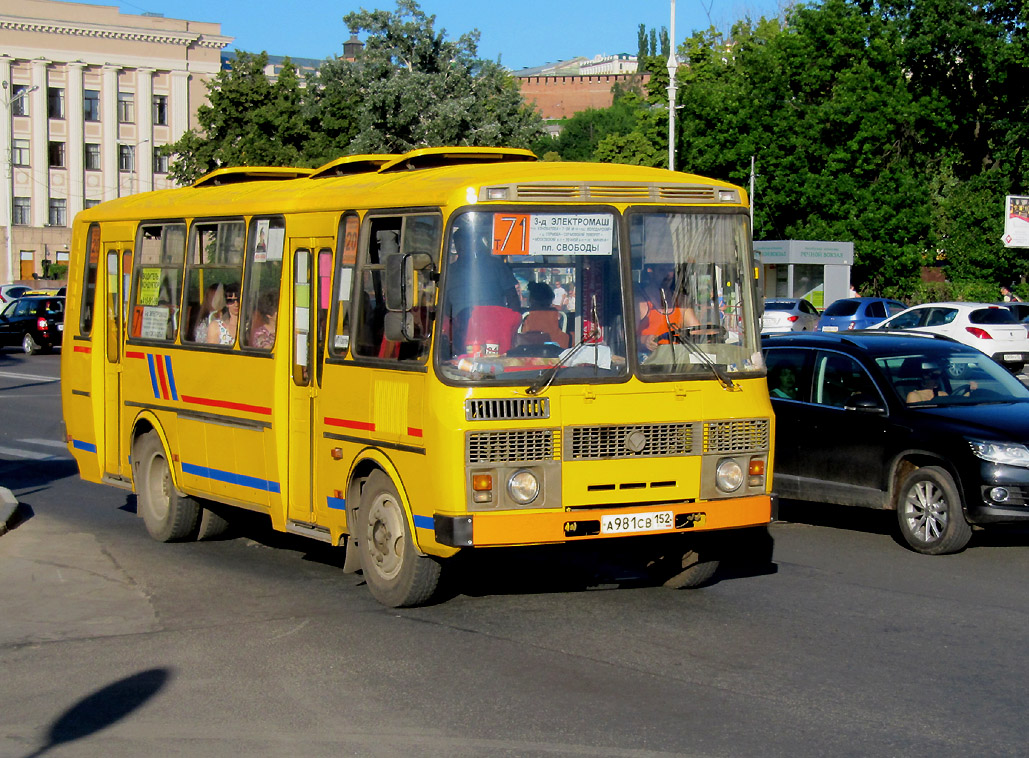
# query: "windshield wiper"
[[545, 379]]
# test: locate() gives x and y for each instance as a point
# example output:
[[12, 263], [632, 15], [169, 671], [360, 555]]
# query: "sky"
[[522, 34]]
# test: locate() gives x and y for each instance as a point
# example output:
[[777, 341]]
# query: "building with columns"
[[89, 94]]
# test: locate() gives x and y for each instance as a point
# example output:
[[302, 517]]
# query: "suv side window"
[[789, 373], [839, 378]]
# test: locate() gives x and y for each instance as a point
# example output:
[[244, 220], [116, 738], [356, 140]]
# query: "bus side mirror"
[[403, 281]]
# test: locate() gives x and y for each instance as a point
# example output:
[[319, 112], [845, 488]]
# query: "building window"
[[56, 153], [126, 108], [90, 203], [20, 100], [58, 212], [92, 156], [55, 102], [160, 110], [91, 105], [22, 211], [20, 152], [126, 157], [160, 161]]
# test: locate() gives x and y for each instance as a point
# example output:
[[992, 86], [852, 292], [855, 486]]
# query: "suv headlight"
[[1008, 453]]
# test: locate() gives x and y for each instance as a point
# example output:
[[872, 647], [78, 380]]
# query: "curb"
[[8, 509]]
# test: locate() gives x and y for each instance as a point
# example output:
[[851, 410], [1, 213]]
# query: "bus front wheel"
[[396, 575], [168, 516]]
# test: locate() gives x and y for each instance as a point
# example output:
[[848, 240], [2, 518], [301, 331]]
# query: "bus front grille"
[[507, 409], [628, 441], [510, 446], [736, 436]]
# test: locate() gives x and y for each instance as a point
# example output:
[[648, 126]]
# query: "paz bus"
[[414, 355]]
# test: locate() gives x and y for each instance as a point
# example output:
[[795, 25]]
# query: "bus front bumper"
[[508, 528]]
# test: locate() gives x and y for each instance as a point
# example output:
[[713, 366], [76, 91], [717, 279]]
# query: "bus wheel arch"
[[382, 539], [169, 515]]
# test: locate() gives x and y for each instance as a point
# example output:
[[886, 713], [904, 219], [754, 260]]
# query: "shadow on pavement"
[[853, 518], [22, 475], [103, 708]]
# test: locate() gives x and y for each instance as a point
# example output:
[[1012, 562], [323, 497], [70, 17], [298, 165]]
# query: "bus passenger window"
[[346, 258], [261, 293], [214, 271], [160, 252]]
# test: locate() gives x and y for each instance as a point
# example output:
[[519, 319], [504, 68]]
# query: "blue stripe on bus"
[[153, 376], [229, 478], [337, 503], [89, 447], [171, 377], [423, 522]]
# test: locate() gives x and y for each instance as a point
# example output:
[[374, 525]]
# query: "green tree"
[[248, 121]]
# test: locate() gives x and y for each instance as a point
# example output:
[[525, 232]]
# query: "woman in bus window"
[[222, 329], [262, 335], [214, 301]]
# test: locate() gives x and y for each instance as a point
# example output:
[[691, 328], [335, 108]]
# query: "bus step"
[[309, 530]]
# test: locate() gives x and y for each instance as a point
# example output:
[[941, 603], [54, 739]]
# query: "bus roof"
[[421, 178]]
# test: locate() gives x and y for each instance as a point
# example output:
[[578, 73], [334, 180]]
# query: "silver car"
[[788, 314]]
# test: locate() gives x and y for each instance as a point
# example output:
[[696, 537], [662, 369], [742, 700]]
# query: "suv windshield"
[[933, 378], [530, 293]]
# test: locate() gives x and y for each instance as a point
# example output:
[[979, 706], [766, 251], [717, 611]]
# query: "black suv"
[[916, 423], [36, 322]]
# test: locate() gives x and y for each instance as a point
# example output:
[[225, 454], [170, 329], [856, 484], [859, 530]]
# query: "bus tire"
[[168, 516], [212, 524], [396, 575], [696, 572]]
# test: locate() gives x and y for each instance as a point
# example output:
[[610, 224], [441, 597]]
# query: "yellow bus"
[[413, 355]]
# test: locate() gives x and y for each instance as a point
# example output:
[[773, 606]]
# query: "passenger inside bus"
[[214, 300], [222, 327], [664, 314], [543, 322], [263, 322]]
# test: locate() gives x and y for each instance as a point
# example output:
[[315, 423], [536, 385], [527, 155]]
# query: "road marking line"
[[31, 377], [31, 455], [47, 443]]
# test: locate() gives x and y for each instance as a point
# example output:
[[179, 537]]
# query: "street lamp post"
[[673, 65], [9, 127]]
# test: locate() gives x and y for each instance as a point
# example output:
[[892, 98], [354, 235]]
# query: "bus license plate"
[[625, 523]]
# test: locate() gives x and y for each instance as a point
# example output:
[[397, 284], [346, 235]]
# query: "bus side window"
[[259, 313], [346, 257], [156, 296], [89, 285], [214, 272]]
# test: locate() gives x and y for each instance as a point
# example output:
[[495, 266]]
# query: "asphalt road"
[[114, 645]]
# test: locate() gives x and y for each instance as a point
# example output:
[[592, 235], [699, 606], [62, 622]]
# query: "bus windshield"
[[530, 292], [692, 282]]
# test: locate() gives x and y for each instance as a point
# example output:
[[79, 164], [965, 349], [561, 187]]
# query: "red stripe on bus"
[[412, 432], [134, 354], [163, 379], [348, 424], [227, 404], [83, 349]]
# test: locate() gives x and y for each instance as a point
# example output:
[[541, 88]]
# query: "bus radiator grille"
[[510, 446], [507, 409], [736, 436], [628, 441]]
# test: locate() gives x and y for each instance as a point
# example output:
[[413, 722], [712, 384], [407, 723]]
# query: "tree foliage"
[[411, 86]]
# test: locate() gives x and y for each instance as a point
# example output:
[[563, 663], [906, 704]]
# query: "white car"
[[788, 314], [989, 328]]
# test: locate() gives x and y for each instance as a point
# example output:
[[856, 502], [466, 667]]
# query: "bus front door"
[[117, 267]]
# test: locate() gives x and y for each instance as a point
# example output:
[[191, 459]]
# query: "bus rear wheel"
[[396, 575], [168, 516]]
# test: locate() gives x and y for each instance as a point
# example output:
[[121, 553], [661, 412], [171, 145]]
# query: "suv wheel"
[[29, 345], [929, 512]]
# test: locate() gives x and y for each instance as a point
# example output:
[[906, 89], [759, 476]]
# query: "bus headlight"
[[728, 475], [523, 487]]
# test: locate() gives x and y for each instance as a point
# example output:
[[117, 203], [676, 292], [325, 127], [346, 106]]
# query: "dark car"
[[852, 313], [34, 322], [920, 424]]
